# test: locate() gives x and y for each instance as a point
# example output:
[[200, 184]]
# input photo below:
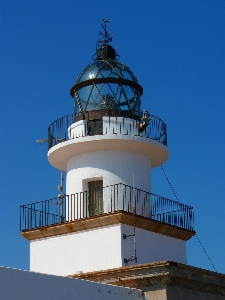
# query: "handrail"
[[58, 130], [109, 199]]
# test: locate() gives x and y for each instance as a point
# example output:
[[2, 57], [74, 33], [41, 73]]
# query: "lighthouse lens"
[[107, 84]]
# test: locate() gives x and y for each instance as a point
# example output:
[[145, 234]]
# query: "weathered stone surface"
[[164, 280]]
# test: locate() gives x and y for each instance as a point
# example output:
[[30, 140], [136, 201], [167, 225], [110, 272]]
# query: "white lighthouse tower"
[[108, 217]]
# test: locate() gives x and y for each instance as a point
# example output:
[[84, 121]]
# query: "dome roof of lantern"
[[104, 69], [106, 83]]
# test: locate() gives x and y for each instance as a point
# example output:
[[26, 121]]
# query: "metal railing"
[[118, 197], [58, 130]]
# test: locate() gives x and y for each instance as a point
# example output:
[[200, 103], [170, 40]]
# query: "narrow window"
[[95, 197], [95, 127]]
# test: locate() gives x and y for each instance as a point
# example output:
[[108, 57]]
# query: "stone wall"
[[165, 280]]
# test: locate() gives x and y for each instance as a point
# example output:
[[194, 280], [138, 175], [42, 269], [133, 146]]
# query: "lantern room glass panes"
[[106, 68], [110, 95]]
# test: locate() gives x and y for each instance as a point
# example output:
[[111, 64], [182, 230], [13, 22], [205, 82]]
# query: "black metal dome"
[[106, 52]]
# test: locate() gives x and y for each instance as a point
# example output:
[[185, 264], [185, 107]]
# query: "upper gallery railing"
[[118, 197], [64, 129]]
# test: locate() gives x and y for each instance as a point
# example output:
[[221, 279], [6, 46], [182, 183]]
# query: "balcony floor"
[[107, 220]]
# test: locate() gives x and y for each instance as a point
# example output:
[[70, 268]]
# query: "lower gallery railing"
[[118, 197]]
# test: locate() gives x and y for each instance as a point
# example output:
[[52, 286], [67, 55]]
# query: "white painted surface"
[[77, 129], [120, 125], [23, 285], [84, 251], [61, 153], [111, 125], [111, 166], [153, 247], [100, 249]]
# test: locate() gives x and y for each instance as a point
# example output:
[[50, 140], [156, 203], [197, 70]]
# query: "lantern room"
[[106, 84]]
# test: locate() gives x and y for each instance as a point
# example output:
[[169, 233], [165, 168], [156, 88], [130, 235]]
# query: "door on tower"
[[95, 197]]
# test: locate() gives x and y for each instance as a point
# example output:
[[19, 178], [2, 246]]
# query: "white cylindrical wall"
[[119, 171], [112, 167]]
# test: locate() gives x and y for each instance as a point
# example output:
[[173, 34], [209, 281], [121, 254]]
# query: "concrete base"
[[165, 280], [178, 293]]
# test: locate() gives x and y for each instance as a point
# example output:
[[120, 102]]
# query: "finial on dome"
[[103, 49], [106, 37]]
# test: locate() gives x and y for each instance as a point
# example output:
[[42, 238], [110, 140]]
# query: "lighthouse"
[[108, 217]]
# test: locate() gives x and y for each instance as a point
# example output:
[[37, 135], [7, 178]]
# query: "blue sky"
[[175, 48]]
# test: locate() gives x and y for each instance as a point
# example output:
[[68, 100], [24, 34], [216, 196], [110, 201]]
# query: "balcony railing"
[[60, 130], [118, 197]]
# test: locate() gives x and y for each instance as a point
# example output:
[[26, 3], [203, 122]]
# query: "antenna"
[[134, 256], [60, 196], [60, 186]]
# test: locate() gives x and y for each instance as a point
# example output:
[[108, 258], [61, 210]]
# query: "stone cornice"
[[152, 276], [119, 217]]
